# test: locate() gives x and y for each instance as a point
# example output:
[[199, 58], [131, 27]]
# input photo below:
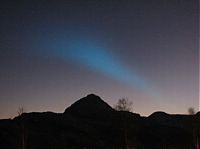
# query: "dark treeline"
[[90, 123]]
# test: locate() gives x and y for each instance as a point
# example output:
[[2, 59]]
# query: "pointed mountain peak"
[[90, 106], [92, 96]]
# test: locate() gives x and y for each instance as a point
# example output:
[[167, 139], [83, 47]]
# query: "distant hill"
[[91, 123], [91, 106]]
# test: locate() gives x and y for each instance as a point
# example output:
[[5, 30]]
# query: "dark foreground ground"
[[91, 123]]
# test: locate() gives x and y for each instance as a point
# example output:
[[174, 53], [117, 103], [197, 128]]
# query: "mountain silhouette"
[[91, 106], [91, 123]]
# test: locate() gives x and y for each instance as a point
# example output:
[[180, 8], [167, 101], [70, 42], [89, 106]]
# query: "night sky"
[[54, 52]]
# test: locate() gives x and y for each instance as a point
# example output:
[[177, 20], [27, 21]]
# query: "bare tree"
[[123, 104], [191, 111], [20, 111]]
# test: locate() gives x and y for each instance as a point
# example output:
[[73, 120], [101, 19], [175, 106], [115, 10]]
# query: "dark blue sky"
[[53, 52]]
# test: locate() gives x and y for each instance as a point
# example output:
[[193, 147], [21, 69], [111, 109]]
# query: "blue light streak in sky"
[[98, 58]]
